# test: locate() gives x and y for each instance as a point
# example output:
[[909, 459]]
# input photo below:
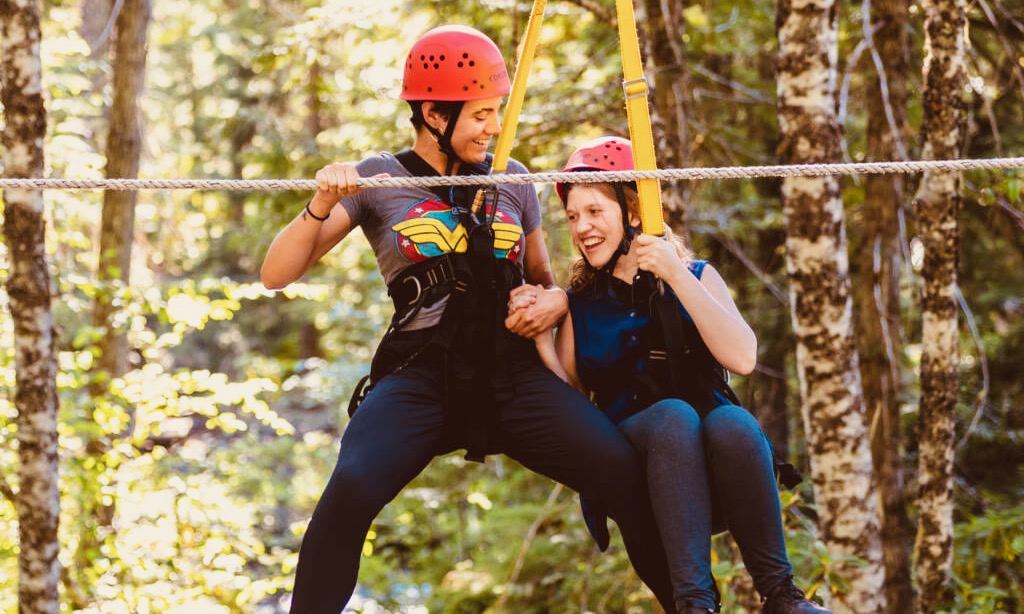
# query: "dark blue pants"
[[544, 424], [722, 467]]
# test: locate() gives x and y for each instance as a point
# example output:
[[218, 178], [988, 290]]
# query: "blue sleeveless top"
[[608, 325]]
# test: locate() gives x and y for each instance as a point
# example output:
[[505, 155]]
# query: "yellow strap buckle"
[[635, 88]]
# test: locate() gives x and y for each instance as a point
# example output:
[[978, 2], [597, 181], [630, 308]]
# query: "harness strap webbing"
[[634, 86], [503, 149]]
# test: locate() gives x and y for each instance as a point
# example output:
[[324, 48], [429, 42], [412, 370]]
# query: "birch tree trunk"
[[878, 286], [28, 288], [937, 202], [670, 77], [818, 269]]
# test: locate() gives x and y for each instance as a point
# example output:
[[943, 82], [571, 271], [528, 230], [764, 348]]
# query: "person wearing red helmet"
[[454, 370], [654, 356]]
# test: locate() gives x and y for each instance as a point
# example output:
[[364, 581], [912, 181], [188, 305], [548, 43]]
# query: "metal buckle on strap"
[[635, 88], [419, 288]]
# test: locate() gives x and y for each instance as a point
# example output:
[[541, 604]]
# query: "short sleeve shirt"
[[408, 225]]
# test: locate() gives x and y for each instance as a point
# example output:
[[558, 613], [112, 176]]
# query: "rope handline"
[[671, 174]]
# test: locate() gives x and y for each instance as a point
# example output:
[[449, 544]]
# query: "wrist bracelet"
[[315, 216]]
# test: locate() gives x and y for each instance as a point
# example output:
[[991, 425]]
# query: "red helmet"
[[453, 63], [606, 153]]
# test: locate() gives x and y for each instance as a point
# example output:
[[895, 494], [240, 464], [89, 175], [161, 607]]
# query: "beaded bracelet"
[[315, 216]]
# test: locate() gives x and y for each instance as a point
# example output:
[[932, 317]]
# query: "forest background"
[[189, 468]]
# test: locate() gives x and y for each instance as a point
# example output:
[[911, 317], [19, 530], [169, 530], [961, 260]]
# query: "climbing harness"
[[470, 338]]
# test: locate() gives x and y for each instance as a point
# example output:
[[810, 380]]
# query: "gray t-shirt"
[[407, 225]]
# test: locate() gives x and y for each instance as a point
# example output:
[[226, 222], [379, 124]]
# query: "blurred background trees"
[[187, 474]]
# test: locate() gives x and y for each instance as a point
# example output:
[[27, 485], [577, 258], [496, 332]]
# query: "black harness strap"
[[455, 196], [691, 365], [470, 335]]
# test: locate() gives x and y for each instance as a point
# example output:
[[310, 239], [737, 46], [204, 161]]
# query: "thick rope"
[[675, 174]]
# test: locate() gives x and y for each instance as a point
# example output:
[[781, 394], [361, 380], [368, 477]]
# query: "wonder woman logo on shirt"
[[429, 229]]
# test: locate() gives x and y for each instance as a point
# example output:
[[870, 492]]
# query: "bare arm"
[[549, 354], [556, 352], [306, 239], [565, 345], [731, 340]]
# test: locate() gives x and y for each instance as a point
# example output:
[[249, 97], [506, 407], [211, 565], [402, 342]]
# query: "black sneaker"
[[788, 599]]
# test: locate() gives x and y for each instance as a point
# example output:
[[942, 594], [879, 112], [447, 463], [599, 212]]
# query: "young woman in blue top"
[[648, 333], [454, 370]]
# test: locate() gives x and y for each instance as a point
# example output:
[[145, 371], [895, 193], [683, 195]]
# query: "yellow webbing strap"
[[515, 100], [635, 87]]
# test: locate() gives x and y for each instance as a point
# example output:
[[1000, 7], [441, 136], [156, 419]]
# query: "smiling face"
[[595, 222], [478, 122]]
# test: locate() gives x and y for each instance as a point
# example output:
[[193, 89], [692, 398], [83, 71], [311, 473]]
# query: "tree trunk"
[[937, 203], [124, 147], [28, 288], [117, 225], [818, 269], [670, 78], [878, 286]]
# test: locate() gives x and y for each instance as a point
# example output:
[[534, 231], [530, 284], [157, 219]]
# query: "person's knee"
[[355, 486], [674, 415], [732, 429]]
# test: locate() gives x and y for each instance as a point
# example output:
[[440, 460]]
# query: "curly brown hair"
[[582, 275]]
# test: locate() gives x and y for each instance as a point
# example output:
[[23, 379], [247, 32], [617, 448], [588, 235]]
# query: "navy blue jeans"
[[712, 473], [544, 424]]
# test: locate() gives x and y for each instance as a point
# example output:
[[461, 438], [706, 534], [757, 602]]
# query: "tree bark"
[[123, 150], [937, 203], [878, 299], [28, 288], [670, 77], [117, 226], [818, 269]]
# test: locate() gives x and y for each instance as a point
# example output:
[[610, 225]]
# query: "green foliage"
[[195, 472], [988, 561]]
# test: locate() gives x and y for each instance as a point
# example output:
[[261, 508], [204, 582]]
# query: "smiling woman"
[[454, 370], [649, 335]]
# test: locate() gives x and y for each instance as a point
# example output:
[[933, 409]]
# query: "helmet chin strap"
[[628, 232], [444, 139]]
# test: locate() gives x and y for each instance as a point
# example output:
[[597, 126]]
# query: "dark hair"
[[448, 108]]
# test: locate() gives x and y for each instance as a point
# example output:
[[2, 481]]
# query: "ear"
[[434, 118]]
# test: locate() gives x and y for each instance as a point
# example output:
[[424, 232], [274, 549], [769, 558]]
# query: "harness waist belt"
[[413, 283]]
